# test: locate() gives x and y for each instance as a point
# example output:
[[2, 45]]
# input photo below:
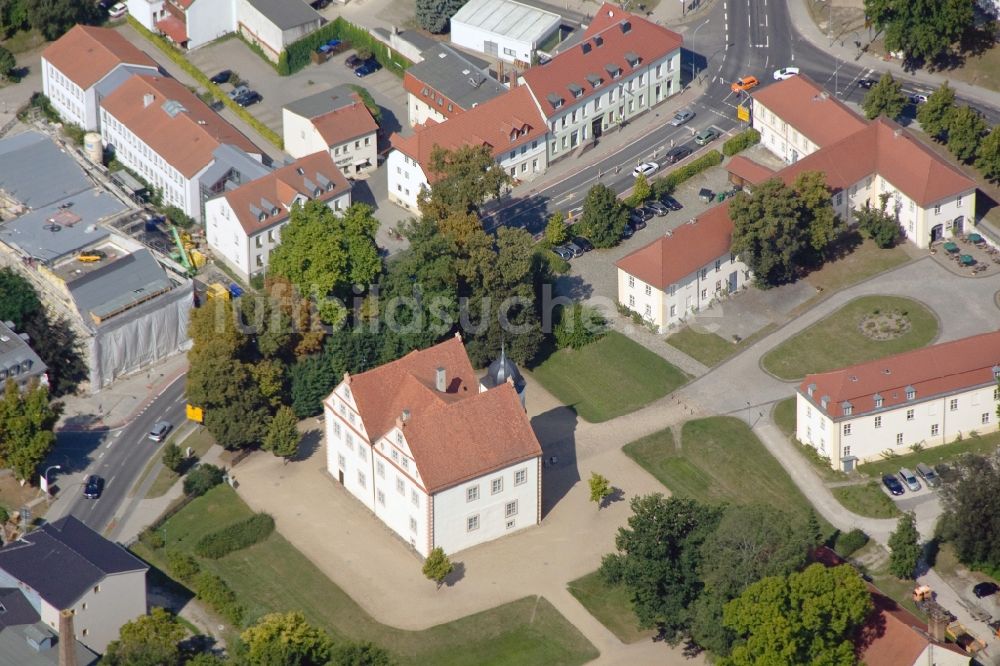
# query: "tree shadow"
[[928, 557], [457, 574], [617, 495], [529, 212], [73, 449], [388, 124], [308, 445], [361, 192], [573, 287], [874, 628], [556, 430]]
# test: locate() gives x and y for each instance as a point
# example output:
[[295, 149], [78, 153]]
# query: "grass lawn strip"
[[933, 455], [784, 416], [707, 348], [274, 576], [866, 500], [608, 378], [864, 261], [837, 341], [200, 440], [610, 605]]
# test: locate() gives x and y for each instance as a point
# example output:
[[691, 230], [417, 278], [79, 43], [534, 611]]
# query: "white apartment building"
[[682, 272], [443, 458], [928, 396], [446, 83], [336, 121], [503, 29], [274, 24], [243, 225], [85, 65]]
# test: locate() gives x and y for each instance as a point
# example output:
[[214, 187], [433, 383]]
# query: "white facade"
[[526, 161], [930, 421], [208, 20], [419, 112], [73, 103], [355, 156], [247, 254], [147, 12], [779, 137], [259, 29], [405, 178], [503, 29], [100, 613]]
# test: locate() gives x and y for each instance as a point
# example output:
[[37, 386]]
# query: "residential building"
[[274, 24], [446, 83], [802, 124], [336, 121], [244, 224], [66, 566], [189, 23], [26, 641], [682, 272], [162, 131], [623, 66], [18, 361], [440, 458], [509, 124], [85, 65], [929, 396], [503, 29]]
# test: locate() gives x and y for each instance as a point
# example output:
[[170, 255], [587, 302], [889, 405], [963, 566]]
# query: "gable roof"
[[86, 54], [492, 124], [286, 14], [455, 435], [668, 259], [893, 636], [750, 171], [282, 187], [615, 39], [172, 121], [62, 560], [811, 110], [457, 78], [935, 370], [345, 123], [514, 20]]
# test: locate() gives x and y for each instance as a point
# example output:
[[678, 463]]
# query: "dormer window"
[[262, 216], [996, 372], [576, 90], [848, 408], [811, 389], [911, 393], [274, 211], [632, 58], [318, 191], [614, 70], [329, 186], [878, 401]]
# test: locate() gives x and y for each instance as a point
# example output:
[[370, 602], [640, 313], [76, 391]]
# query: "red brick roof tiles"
[[811, 110], [86, 54], [346, 123], [748, 170]]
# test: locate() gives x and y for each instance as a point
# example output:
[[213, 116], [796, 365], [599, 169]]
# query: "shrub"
[[235, 537], [202, 479], [669, 183], [368, 100], [849, 543], [173, 457], [297, 54], [740, 142], [579, 325], [178, 217], [4, 515], [213, 591], [182, 565], [151, 538]]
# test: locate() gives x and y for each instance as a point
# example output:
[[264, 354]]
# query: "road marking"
[[108, 445], [118, 434], [765, 20], [100, 455], [112, 479]]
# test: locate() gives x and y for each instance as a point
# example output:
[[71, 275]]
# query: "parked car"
[[658, 208], [583, 243], [682, 117], [866, 83], [93, 486], [563, 252], [636, 223], [892, 484], [785, 73], [910, 479], [706, 136], [645, 169], [628, 231], [744, 84], [641, 214], [159, 431], [249, 99], [574, 248], [222, 77], [217, 106], [929, 476], [984, 589], [353, 61], [671, 203], [918, 98], [366, 68], [238, 91], [118, 10], [677, 154], [945, 473]]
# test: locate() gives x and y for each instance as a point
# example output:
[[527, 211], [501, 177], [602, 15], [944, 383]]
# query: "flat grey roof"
[[322, 102], [51, 233], [35, 171], [15, 651], [460, 77], [121, 284], [232, 163], [413, 37], [286, 13], [508, 18], [16, 353]]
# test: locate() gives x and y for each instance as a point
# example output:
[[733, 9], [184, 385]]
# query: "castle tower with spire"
[[505, 370]]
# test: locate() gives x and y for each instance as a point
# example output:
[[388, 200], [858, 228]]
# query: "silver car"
[[681, 117], [159, 431], [929, 476], [910, 479]]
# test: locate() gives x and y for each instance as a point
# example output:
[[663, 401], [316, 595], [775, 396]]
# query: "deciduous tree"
[[437, 566], [604, 217], [974, 492], [600, 489], [966, 128], [359, 654], [284, 638], [885, 98], [26, 421], [904, 548], [767, 234], [816, 209], [283, 437], [933, 115], [921, 29], [173, 457], [7, 63], [148, 640], [641, 191], [988, 158], [579, 325], [465, 178], [879, 224], [435, 15], [556, 232]]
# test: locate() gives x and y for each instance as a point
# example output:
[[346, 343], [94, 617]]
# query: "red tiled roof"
[[935, 370], [415, 87], [86, 54], [282, 187], [174, 28], [803, 104], [492, 124], [618, 33], [748, 170], [456, 435], [184, 140], [346, 123], [668, 259]]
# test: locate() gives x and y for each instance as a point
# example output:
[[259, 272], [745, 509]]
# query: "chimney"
[[147, 99], [442, 380], [937, 622], [898, 131], [67, 642], [347, 378]]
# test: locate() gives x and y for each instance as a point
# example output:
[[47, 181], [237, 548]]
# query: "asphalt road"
[[119, 456]]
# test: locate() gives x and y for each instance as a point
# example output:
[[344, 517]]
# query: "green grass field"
[[864, 261], [866, 500], [784, 416], [933, 455], [201, 441], [837, 340], [274, 576], [608, 378], [610, 605], [712, 349]]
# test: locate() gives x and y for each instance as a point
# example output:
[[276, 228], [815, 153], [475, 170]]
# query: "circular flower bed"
[[882, 326]]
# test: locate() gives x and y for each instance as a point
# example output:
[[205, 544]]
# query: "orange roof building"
[[444, 458], [85, 65], [334, 120]]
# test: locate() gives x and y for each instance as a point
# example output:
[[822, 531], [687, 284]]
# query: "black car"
[[222, 77], [353, 61], [677, 154], [866, 83], [249, 99], [628, 231], [366, 68], [659, 209], [583, 243], [984, 589], [640, 215], [93, 487], [892, 484], [637, 223], [671, 203], [217, 106]]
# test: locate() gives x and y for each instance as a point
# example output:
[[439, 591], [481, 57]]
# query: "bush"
[[182, 565], [4, 515], [178, 217], [847, 544], [151, 538], [213, 591], [202, 479], [669, 183], [367, 99], [579, 325], [173, 457], [297, 54], [740, 142], [235, 537], [44, 105]]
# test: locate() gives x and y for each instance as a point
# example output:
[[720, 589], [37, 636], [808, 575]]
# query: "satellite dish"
[[52, 227]]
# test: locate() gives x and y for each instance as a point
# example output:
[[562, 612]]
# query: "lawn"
[[201, 441], [866, 500], [608, 378], [933, 455], [837, 340], [610, 605], [784, 416], [710, 348], [274, 576], [864, 261]]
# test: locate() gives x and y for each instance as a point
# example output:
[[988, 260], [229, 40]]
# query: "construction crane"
[[182, 254]]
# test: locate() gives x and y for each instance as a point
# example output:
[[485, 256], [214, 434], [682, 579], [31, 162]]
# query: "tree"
[[148, 640], [579, 325], [816, 209], [464, 179], [201, 479], [434, 15], [55, 17], [885, 98], [813, 532], [366, 97], [26, 422], [283, 434], [285, 639], [7, 64], [974, 494], [807, 617], [641, 191], [359, 654], [905, 548], [437, 566], [604, 217], [173, 457], [878, 224], [965, 132], [767, 233], [934, 113], [600, 489], [921, 29], [657, 559], [988, 158], [556, 232], [19, 300]]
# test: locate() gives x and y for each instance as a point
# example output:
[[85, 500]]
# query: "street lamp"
[[748, 414], [693, 35], [46, 475]]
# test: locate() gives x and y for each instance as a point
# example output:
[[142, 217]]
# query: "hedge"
[[236, 536], [846, 544], [181, 60], [297, 54], [213, 591], [669, 183], [740, 142]]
